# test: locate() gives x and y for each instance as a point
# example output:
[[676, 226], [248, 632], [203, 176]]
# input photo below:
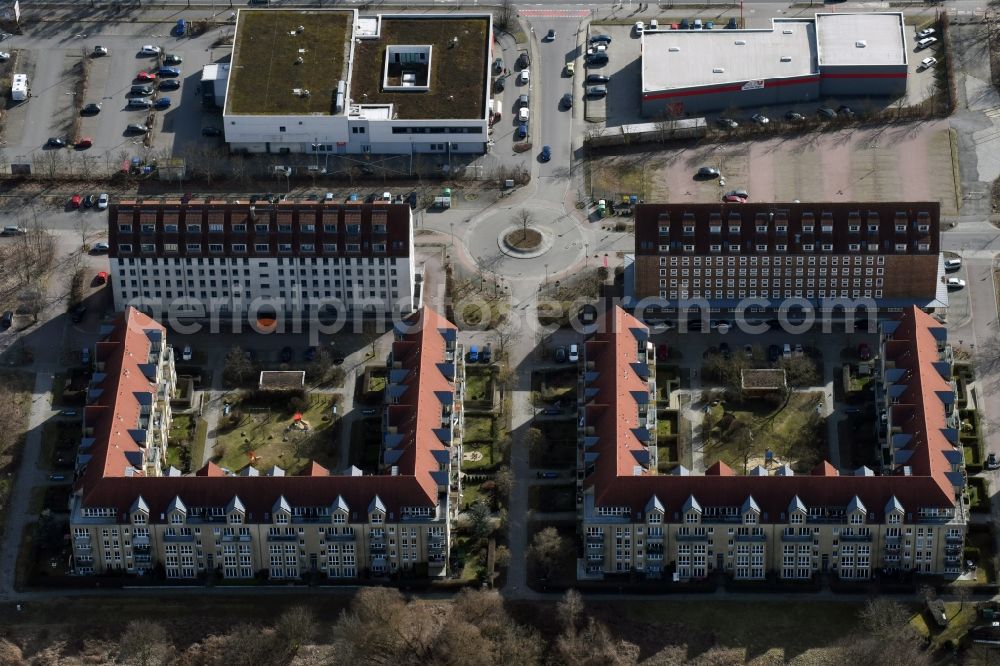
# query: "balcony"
[[178, 538], [957, 540], [654, 537], [751, 537], [597, 540], [797, 538], [856, 538], [439, 545], [143, 559], [692, 537], [228, 538], [436, 560], [595, 557], [377, 547], [282, 537]]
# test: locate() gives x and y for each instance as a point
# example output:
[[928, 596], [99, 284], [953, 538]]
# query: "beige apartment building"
[[130, 515], [853, 525]]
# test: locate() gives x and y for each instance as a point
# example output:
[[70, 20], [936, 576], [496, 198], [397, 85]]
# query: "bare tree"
[[84, 226], [547, 551], [295, 627], [505, 15], [524, 217], [238, 369], [143, 643], [504, 335]]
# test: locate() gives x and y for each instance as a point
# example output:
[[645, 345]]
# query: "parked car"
[[13, 230], [522, 60], [639, 28], [522, 131], [600, 39], [952, 264], [773, 353], [547, 475], [598, 78], [55, 142], [101, 278], [597, 59], [4, 56], [162, 103], [697, 24], [727, 123], [286, 354], [707, 172], [139, 103], [169, 72], [172, 59], [597, 91], [473, 354], [926, 42], [685, 24], [91, 108], [574, 354], [991, 462], [550, 35], [525, 75], [760, 119], [925, 33], [77, 314], [927, 63], [826, 113], [741, 193], [136, 128], [145, 76], [186, 353], [560, 355], [100, 248], [170, 84], [75, 201], [546, 154], [846, 111], [84, 142], [100, 51], [729, 198], [955, 284], [85, 355], [569, 69], [486, 356], [522, 114], [89, 201], [149, 49], [567, 101], [794, 117], [7, 319], [732, 25], [864, 351], [142, 90], [500, 84], [211, 131]]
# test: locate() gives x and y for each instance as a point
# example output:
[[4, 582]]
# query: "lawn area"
[[59, 442], [478, 429], [270, 435], [552, 385], [663, 428], [377, 382], [480, 458], [561, 497], [477, 383], [768, 631], [794, 433], [979, 494], [979, 541], [960, 620]]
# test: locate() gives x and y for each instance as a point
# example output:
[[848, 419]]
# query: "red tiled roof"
[[913, 347], [613, 412], [417, 415]]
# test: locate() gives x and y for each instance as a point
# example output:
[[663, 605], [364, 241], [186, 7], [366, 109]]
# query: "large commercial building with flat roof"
[[794, 61], [334, 82]]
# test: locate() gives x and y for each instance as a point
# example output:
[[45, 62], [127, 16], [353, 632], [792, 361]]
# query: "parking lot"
[[55, 65]]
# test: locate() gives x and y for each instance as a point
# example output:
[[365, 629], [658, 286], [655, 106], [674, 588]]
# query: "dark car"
[[567, 101], [522, 61], [794, 117], [286, 354], [707, 172], [727, 123], [172, 59], [168, 71], [597, 91], [732, 23], [522, 130], [411, 199], [685, 24], [170, 84], [597, 59], [338, 360], [547, 475], [724, 350], [211, 131], [89, 200], [500, 84], [7, 319], [991, 462], [76, 314], [846, 111], [598, 78], [600, 39], [162, 103], [55, 142], [91, 108], [546, 154], [560, 355], [826, 113], [773, 353], [550, 35]]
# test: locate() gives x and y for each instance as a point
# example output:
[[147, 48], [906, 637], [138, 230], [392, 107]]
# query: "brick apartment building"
[[130, 514], [292, 258], [725, 253], [852, 525]]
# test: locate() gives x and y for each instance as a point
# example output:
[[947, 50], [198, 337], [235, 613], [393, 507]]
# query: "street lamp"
[[546, 274]]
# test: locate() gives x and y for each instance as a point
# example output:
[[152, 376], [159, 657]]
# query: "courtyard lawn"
[[366, 445], [478, 429], [269, 435], [480, 458], [793, 432], [477, 383], [552, 385], [961, 618]]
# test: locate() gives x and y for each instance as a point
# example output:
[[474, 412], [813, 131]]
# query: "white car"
[[328, 196], [149, 49], [522, 114], [525, 75], [4, 56], [760, 119], [654, 24], [639, 27], [574, 353], [101, 247], [186, 354], [102, 201], [952, 264], [923, 34], [927, 63], [955, 283]]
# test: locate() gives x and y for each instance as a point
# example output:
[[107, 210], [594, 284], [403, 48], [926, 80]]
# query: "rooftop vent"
[[741, 42], [786, 31], [299, 60], [674, 49], [786, 58], [861, 44], [718, 70]]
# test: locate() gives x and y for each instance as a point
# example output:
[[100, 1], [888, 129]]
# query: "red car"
[[145, 76], [732, 198], [85, 142], [101, 278], [74, 202]]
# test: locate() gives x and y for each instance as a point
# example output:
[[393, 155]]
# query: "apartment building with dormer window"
[[342, 527], [852, 524]]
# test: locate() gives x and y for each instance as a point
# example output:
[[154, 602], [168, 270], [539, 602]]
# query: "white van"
[[925, 42]]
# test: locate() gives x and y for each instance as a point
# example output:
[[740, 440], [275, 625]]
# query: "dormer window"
[[340, 517], [750, 518], [236, 518], [376, 518], [893, 518], [796, 518], [691, 517], [857, 518], [281, 518], [176, 518], [138, 518], [655, 518]]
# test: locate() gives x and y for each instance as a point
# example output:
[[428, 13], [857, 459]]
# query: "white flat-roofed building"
[[686, 72]]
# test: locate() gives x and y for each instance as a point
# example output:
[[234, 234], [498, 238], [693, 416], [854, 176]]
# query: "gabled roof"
[[107, 482]]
